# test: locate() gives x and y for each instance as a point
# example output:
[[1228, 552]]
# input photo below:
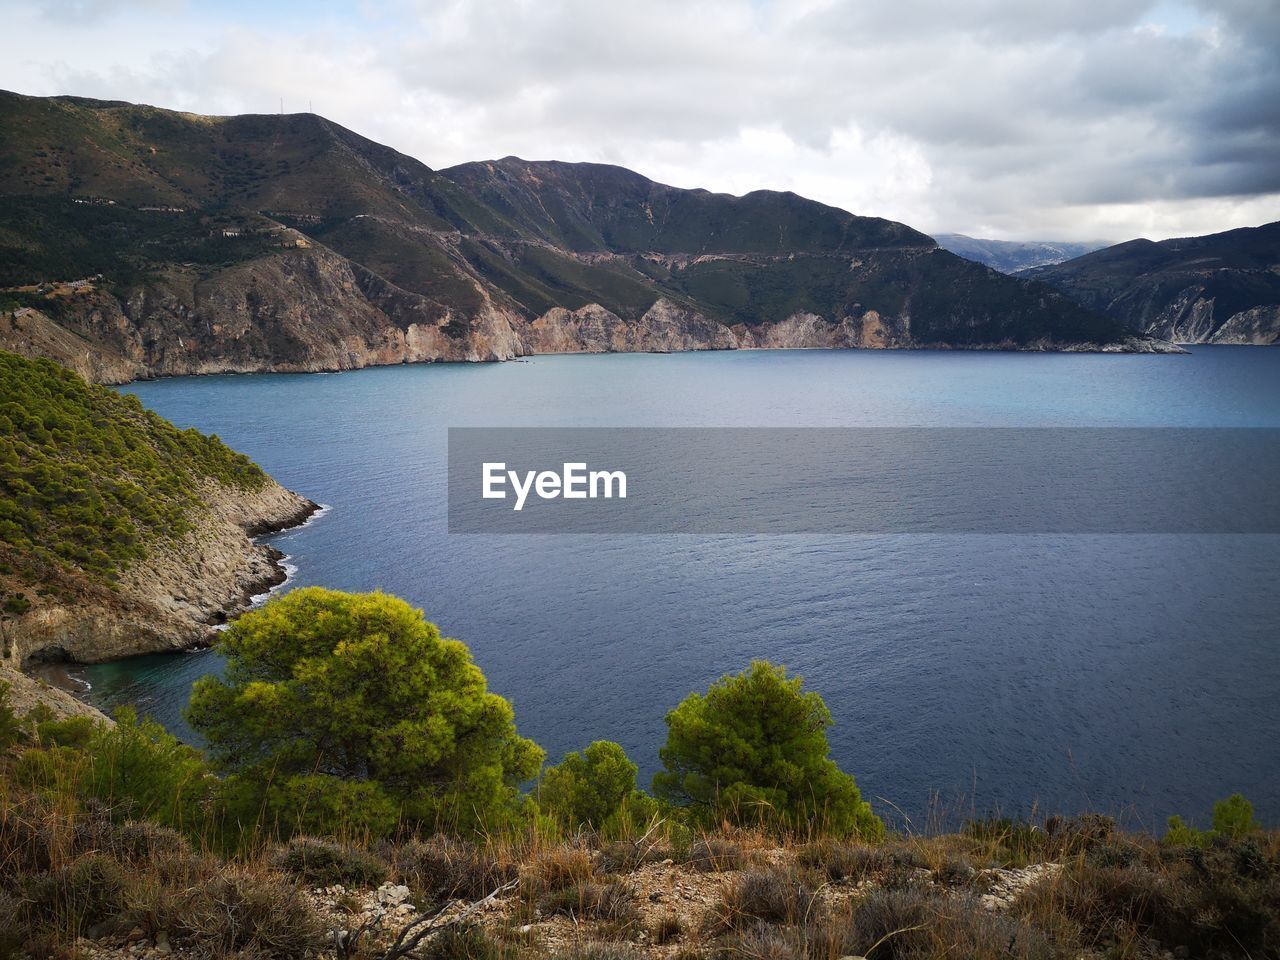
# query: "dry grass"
[[70, 869]]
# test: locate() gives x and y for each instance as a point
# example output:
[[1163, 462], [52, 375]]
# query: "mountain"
[[1010, 256], [136, 242], [120, 533], [1221, 288]]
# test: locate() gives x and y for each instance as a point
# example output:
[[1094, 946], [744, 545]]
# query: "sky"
[[1010, 119]]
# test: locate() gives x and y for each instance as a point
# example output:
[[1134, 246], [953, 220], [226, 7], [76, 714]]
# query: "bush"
[[134, 767], [612, 902], [1232, 818], [557, 868], [448, 868], [359, 687], [774, 895], [754, 749], [10, 725], [323, 864], [468, 942], [85, 893], [589, 788], [250, 912], [715, 855], [918, 924], [844, 862], [310, 804]]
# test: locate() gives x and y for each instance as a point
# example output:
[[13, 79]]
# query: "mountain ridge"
[[1013, 256], [287, 242], [1217, 288]]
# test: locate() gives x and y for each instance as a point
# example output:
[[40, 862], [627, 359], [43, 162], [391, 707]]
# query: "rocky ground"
[[673, 909]]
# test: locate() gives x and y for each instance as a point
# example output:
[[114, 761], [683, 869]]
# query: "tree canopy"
[[588, 788], [323, 689], [754, 748]]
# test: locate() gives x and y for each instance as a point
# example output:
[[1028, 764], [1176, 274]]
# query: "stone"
[[393, 895]]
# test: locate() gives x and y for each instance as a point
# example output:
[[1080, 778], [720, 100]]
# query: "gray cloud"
[[1061, 119]]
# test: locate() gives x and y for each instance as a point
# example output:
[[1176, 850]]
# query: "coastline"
[[67, 675]]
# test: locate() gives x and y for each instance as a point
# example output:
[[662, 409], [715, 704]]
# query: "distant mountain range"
[[136, 241], [1010, 256], [1222, 288]]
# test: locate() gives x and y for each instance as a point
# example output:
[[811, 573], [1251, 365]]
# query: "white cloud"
[[1057, 120]]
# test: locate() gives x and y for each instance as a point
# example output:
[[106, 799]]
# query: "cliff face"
[[1223, 288], [172, 599], [119, 533], [140, 242]]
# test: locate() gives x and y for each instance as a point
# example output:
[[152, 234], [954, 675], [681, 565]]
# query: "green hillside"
[[88, 477]]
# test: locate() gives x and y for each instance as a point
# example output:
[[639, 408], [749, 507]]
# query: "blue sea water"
[[1133, 674]]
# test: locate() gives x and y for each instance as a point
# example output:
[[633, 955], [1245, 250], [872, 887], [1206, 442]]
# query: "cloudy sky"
[[1015, 119]]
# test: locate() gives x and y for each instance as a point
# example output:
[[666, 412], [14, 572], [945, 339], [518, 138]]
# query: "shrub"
[[10, 725], [774, 895], [557, 868], [613, 902], [313, 803], [714, 855], [754, 749], [666, 929], [466, 942], [844, 862], [251, 912], [143, 842], [1233, 817], [134, 767], [84, 893], [446, 868], [324, 864], [918, 924], [588, 788], [361, 687], [77, 732]]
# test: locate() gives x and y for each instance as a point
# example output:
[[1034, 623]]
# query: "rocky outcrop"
[[668, 327], [664, 328], [26, 693], [32, 334], [1257, 325], [173, 598]]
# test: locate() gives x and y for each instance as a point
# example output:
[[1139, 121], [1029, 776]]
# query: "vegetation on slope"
[[121, 836], [88, 477]]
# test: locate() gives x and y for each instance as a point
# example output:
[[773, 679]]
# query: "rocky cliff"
[[1222, 288], [140, 242], [171, 600], [119, 533]]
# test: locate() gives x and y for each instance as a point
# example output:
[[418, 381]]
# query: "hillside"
[[120, 533], [1221, 288], [136, 241], [1010, 256]]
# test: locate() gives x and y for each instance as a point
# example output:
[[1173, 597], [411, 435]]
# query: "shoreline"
[[1168, 348], [67, 675]]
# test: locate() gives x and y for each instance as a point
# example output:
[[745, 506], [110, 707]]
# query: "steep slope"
[[1221, 288], [120, 533], [1010, 256], [136, 241]]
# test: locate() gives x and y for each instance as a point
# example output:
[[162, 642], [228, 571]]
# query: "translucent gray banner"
[[864, 480]]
